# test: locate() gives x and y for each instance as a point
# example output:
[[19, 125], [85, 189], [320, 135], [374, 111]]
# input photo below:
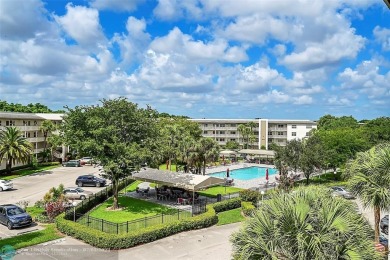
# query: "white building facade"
[[267, 131]]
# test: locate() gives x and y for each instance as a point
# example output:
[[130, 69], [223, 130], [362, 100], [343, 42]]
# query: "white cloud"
[[82, 24], [303, 100], [382, 35], [116, 5], [134, 43], [338, 101], [338, 46], [176, 9], [21, 21], [273, 96], [194, 51]]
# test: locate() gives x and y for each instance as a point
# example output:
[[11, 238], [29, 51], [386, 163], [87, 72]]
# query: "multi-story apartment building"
[[267, 131], [29, 124]]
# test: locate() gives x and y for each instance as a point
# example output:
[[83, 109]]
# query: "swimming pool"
[[245, 173]]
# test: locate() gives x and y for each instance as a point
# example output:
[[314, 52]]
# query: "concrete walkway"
[[203, 244]]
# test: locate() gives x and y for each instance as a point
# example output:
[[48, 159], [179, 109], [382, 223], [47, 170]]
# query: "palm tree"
[[370, 180], [203, 151], [14, 147], [46, 128], [307, 224]]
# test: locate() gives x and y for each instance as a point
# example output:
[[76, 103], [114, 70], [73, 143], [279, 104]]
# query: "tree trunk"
[[204, 167], [377, 215], [170, 163], [115, 204], [8, 166], [307, 179]]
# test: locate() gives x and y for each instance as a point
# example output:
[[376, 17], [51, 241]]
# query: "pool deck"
[[256, 183]]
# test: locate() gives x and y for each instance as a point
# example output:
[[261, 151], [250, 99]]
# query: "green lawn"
[[26, 172], [33, 238], [327, 180], [131, 187], [133, 209], [230, 216], [163, 167], [213, 191], [34, 211]]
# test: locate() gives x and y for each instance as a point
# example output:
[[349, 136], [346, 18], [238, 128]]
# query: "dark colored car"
[[385, 224], [90, 180], [13, 216], [72, 163]]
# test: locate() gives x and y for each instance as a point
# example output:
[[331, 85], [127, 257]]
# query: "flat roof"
[[191, 182], [33, 116], [258, 152]]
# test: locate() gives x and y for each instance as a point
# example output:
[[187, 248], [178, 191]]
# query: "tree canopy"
[[30, 108]]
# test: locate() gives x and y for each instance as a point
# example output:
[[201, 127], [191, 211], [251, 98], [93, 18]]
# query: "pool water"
[[245, 173]]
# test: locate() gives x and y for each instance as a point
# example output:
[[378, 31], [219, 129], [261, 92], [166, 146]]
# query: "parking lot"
[[33, 187]]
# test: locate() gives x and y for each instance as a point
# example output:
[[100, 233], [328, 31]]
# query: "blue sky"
[[200, 58]]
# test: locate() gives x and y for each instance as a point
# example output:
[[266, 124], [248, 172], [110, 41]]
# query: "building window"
[[294, 126], [222, 125], [308, 134], [232, 139], [28, 135], [9, 123], [280, 126], [233, 125], [280, 133], [233, 132], [222, 132], [269, 133], [206, 125], [294, 133], [35, 134], [0, 122], [222, 139], [35, 123], [205, 132], [308, 127], [28, 123], [213, 132]]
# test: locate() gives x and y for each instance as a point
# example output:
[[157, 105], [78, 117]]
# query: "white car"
[[86, 160], [342, 192], [6, 185]]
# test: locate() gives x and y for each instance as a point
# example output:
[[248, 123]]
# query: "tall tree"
[[370, 180], [115, 133], [206, 149], [293, 152], [307, 224], [328, 122], [14, 147], [311, 157], [47, 127]]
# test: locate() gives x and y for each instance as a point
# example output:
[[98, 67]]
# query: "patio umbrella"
[[266, 174], [227, 173]]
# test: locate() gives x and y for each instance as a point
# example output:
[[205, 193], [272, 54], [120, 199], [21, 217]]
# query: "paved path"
[[204, 244]]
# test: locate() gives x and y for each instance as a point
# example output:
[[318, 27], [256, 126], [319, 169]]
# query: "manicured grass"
[[230, 216], [213, 191], [34, 211], [327, 180], [163, 167], [33, 238], [26, 172], [132, 209]]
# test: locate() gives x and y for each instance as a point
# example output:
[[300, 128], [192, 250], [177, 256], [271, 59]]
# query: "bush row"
[[227, 205], [247, 208], [250, 195], [111, 241]]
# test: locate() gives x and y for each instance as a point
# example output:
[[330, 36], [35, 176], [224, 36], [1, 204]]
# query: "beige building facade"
[[29, 124]]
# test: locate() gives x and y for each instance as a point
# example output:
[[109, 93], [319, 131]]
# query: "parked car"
[[77, 193], [72, 163], [342, 192], [384, 224], [6, 185], [86, 160], [90, 180], [13, 216]]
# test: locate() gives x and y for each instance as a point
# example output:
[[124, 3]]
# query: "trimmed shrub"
[[111, 241], [227, 205], [250, 195], [247, 208]]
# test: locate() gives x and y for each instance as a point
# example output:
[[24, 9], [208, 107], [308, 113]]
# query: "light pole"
[[262, 195], [335, 173]]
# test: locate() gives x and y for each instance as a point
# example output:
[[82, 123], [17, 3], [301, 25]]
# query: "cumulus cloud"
[[82, 24], [382, 35], [23, 21], [176, 9], [116, 5]]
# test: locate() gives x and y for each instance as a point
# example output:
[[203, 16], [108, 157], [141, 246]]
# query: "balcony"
[[36, 139]]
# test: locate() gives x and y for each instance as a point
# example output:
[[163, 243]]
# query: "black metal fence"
[[128, 226], [86, 205]]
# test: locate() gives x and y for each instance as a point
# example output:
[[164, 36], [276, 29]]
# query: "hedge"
[[250, 195], [247, 208], [227, 205], [101, 239]]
